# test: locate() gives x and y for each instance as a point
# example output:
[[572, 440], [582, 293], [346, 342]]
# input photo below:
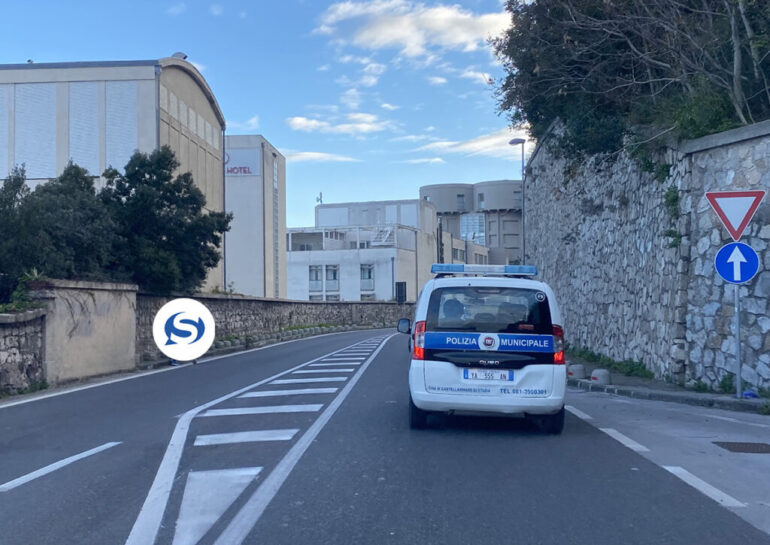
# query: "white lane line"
[[271, 393], [358, 358], [626, 441], [343, 363], [704, 487], [367, 353], [309, 380], [242, 523], [256, 436], [147, 523], [10, 485], [207, 495], [577, 412], [270, 409], [733, 420], [311, 371]]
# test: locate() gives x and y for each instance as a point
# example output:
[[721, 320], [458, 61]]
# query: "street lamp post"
[[516, 142]]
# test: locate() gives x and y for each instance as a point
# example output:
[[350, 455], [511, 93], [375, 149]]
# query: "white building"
[[255, 192], [361, 251]]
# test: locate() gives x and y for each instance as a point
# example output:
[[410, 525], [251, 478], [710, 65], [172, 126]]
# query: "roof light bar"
[[459, 268]]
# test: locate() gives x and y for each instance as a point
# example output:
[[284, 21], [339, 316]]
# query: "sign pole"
[[738, 382]]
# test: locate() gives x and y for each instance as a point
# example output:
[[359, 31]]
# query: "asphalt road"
[[236, 450]]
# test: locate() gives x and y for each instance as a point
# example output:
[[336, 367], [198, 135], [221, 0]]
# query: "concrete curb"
[[700, 400]]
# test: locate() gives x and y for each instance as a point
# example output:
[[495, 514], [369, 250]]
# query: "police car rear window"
[[489, 310]]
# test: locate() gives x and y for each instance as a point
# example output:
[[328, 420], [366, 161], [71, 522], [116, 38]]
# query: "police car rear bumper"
[[486, 403]]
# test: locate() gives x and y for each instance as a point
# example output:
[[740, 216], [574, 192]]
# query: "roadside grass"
[[628, 367]]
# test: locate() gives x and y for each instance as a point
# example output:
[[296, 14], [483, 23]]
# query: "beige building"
[[255, 192], [98, 114], [485, 213]]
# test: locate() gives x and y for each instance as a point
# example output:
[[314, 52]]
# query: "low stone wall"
[[21, 351], [247, 316]]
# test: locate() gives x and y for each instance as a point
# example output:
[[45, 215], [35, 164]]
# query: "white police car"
[[487, 339]]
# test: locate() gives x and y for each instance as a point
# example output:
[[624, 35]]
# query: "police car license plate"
[[488, 374]]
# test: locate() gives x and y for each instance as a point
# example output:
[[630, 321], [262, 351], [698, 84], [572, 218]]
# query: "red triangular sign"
[[735, 208]]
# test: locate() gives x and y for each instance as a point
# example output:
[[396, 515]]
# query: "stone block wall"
[[631, 257], [21, 351], [243, 316]]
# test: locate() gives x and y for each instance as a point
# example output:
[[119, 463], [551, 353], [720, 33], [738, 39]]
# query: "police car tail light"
[[419, 341], [558, 345]]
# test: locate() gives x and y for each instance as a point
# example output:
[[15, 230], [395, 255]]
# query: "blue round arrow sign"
[[736, 262]]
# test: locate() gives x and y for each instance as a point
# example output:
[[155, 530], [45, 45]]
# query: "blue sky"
[[368, 100]]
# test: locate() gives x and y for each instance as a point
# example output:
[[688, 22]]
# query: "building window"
[[334, 297], [367, 277], [316, 297], [367, 297], [460, 201], [316, 283], [481, 200], [332, 278]]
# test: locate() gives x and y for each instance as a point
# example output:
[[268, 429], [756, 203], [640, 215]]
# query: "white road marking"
[[10, 485], [354, 353], [733, 420], [626, 441], [147, 524], [577, 412], [240, 526], [704, 487], [359, 358], [343, 363], [270, 393], [311, 371], [309, 380], [256, 436], [207, 495], [270, 409]]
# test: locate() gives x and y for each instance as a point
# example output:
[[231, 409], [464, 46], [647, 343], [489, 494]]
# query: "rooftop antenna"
[[320, 198]]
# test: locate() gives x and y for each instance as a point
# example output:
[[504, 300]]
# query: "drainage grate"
[[750, 448]]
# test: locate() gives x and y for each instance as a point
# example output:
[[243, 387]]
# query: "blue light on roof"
[[459, 268]]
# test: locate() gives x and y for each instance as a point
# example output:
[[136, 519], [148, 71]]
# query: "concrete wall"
[[635, 278], [244, 316], [22, 350], [89, 328]]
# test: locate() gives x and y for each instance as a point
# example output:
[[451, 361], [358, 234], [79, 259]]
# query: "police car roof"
[[503, 281]]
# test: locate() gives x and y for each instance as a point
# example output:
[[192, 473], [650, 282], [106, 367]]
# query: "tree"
[[167, 239], [61, 229], [642, 68]]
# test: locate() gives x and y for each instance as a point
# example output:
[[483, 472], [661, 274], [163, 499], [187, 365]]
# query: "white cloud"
[[389, 107], [351, 98], [323, 68], [317, 157], [494, 144], [251, 124], [355, 124], [216, 9], [198, 66], [177, 9], [437, 80], [478, 77], [411, 138], [426, 161], [413, 27]]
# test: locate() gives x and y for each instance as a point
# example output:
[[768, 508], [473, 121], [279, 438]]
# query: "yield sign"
[[735, 208]]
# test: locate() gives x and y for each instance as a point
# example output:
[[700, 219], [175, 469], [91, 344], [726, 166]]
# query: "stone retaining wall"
[[255, 317], [631, 256], [21, 351]]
